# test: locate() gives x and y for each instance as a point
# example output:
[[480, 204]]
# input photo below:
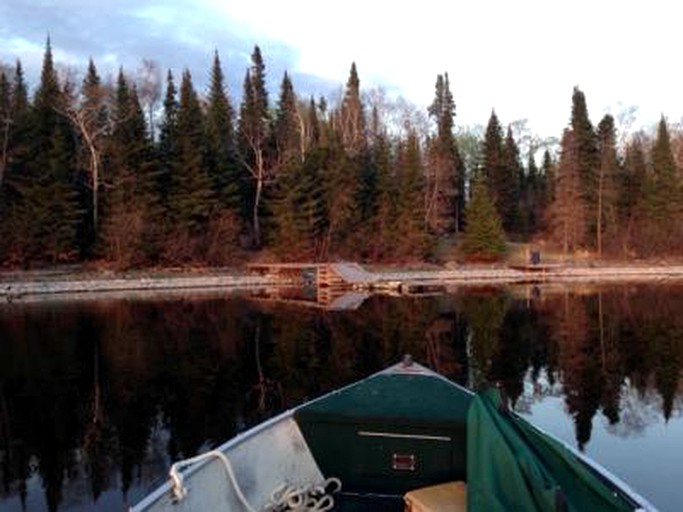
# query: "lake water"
[[97, 397]]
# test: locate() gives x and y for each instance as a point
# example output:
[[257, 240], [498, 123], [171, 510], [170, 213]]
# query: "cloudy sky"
[[521, 57]]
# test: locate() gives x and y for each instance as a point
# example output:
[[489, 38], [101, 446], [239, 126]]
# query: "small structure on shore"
[[341, 275]]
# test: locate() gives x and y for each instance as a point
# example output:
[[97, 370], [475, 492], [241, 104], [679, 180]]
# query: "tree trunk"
[[5, 143], [260, 176], [598, 226]]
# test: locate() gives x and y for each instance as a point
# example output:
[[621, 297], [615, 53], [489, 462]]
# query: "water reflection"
[[97, 397]]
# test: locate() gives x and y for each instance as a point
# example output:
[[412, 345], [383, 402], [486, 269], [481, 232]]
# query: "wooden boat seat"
[[448, 497]]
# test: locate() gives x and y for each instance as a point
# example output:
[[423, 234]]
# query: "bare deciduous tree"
[[88, 113], [149, 90]]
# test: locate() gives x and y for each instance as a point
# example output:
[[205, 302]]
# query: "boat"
[[405, 438]]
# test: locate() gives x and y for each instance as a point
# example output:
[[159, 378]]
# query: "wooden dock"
[[341, 275]]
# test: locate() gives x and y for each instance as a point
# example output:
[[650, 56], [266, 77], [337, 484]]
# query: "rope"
[[178, 489], [302, 498]]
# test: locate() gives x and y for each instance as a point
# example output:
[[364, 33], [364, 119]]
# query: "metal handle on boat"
[[403, 462]]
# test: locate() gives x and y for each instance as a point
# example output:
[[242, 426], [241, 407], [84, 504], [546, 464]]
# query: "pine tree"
[[48, 203], [483, 238], [311, 133], [663, 198], [131, 208], [547, 179], [168, 145], [493, 160], [445, 196], [587, 160], [19, 92], [510, 185], [15, 138], [287, 131], [191, 192], [377, 200], [221, 156], [352, 115], [5, 122], [632, 183], [531, 196], [606, 215], [566, 213], [411, 237]]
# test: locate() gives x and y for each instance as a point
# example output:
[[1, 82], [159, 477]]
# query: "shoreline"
[[36, 285]]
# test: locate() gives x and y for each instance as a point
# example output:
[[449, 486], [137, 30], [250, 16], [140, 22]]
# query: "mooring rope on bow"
[[178, 489]]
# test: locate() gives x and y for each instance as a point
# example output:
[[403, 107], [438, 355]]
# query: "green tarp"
[[513, 466]]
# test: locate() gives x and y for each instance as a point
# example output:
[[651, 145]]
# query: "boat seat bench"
[[448, 497]]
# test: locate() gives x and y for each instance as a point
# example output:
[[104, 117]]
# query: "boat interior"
[[395, 441], [391, 441]]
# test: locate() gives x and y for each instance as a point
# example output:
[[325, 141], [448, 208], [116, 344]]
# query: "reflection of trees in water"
[[106, 393], [597, 345], [579, 361], [484, 314]]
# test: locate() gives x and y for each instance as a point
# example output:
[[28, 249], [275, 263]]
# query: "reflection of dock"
[[319, 298]]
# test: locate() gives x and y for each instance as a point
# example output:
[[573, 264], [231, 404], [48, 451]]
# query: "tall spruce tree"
[[15, 125], [587, 160], [510, 185], [191, 198], [567, 213], [48, 203], [19, 102], [605, 211], [411, 239], [493, 161], [221, 150], [5, 123], [483, 238], [548, 179], [445, 194], [376, 201], [168, 144], [663, 197], [287, 131], [352, 115], [632, 185], [531, 196], [131, 208]]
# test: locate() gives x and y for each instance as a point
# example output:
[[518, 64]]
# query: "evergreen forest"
[[136, 172]]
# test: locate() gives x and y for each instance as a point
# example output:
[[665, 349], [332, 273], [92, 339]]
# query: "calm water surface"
[[97, 397]]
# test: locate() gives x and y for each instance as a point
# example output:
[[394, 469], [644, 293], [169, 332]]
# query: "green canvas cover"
[[513, 466]]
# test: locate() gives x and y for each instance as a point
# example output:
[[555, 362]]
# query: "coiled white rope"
[[304, 498], [295, 498], [178, 489]]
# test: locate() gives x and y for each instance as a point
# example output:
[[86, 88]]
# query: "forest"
[[130, 173]]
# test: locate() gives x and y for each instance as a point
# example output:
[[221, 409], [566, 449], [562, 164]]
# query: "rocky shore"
[[17, 286]]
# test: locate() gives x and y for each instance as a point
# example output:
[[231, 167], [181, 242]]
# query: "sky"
[[521, 58]]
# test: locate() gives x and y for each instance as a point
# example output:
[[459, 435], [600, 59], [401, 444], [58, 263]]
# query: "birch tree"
[[254, 133]]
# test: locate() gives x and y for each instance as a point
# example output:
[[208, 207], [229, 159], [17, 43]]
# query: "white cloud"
[[522, 58]]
